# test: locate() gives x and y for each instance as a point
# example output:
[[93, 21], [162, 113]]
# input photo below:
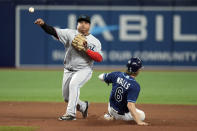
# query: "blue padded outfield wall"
[[160, 35]]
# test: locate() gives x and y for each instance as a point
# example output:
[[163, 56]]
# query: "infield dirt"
[[44, 115]]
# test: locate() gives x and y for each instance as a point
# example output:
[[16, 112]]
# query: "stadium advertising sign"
[[158, 35]]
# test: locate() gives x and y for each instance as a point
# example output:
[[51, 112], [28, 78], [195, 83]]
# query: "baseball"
[[31, 9]]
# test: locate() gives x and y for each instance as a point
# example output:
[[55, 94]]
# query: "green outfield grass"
[[17, 128], [156, 87]]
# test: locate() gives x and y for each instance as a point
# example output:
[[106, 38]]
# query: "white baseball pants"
[[72, 82], [126, 116]]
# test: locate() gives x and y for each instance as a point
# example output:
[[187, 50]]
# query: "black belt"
[[69, 69], [119, 113]]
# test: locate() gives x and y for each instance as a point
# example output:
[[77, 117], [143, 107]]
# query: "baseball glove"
[[80, 43]]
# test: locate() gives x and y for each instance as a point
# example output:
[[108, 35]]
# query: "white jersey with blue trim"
[[124, 89], [76, 60]]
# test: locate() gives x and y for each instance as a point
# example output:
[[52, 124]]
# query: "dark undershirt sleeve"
[[49, 30]]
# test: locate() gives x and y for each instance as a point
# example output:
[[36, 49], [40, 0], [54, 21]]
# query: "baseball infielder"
[[125, 91], [82, 49]]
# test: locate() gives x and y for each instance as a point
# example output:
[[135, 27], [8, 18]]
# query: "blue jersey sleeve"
[[110, 77], [133, 93]]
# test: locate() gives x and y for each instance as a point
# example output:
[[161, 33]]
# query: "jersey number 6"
[[118, 94]]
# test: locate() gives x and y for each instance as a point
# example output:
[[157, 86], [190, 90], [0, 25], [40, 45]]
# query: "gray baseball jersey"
[[75, 60]]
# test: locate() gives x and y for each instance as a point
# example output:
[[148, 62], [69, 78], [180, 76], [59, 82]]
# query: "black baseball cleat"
[[67, 118], [85, 112]]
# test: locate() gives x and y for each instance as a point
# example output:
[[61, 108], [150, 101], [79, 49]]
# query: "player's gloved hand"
[[80, 43]]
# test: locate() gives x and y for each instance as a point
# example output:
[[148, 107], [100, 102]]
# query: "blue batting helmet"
[[134, 64]]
